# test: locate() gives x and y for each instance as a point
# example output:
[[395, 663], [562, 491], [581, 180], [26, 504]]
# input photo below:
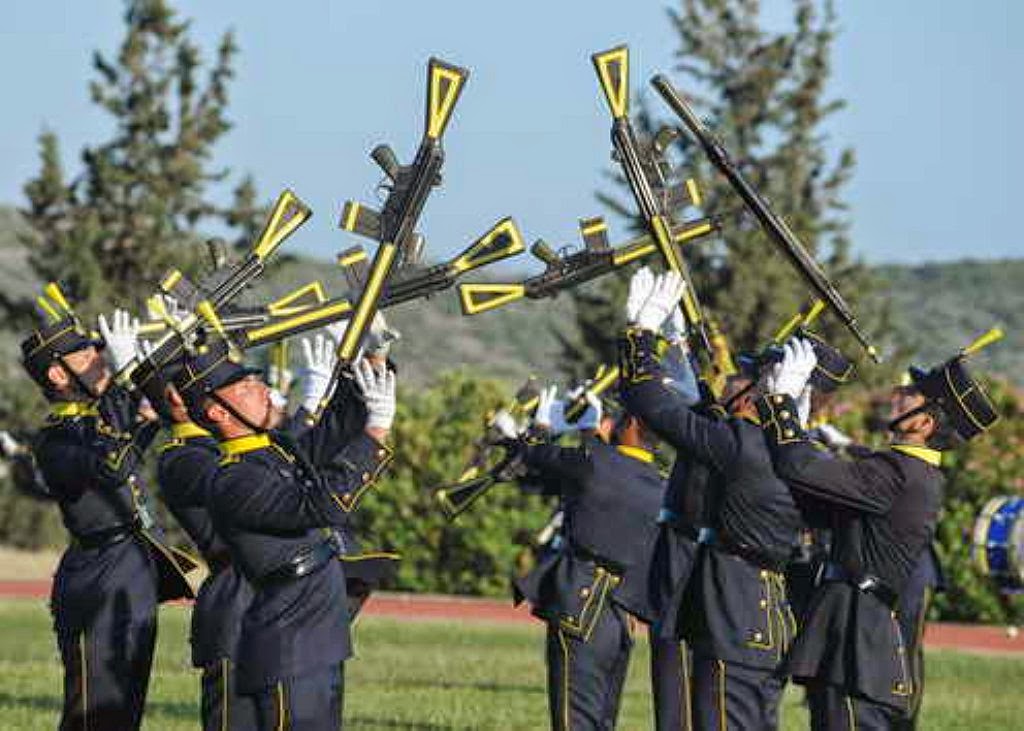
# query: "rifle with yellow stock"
[[644, 172], [567, 270], [772, 224], [209, 298], [394, 226], [477, 478]]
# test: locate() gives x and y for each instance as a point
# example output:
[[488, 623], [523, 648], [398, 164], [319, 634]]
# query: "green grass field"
[[433, 675]]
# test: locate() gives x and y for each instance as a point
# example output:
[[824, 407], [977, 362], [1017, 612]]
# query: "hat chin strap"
[[893, 425], [234, 412], [731, 401], [80, 382]]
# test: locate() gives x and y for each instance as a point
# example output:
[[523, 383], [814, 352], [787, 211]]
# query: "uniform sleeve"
[[352, 471], [868, 484], [666, 411], [343, 422], [69, 465], [558, 470]]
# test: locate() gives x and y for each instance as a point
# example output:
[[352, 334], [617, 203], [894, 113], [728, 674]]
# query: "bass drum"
[[998, 546]]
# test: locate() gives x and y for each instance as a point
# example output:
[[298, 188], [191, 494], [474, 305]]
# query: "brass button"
[[346, 498], [893, 614], [585, 592], [366, 477], [764, 573], [789, 433], [784, 414], [900, 687], [381, 454], [899, 650], [779, 399], [763, 604], [758, 637]]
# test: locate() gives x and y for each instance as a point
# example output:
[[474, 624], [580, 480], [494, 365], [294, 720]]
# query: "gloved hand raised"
[[833, 437], [665, 295], [505, 425], [378, 340], [674, 329], [592, 416], [790, 376], [378, 386], [550, 414], [318, 365], [121, 338], [640, 286]]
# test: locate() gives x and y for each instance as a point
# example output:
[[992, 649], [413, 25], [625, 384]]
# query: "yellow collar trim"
[[241, 445], [636, 453], [188, 430], [66, 409], [931, 456]]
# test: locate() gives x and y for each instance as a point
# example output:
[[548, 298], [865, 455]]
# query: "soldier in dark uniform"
[[587, 589], [735, 615], [116, 570], [273, 506], [187, 464], [912, 613], [851, 654]]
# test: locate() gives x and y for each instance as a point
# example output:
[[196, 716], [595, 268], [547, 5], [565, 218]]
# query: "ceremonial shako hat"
[[213, 365], [949, 385], [833, 369], [62, 335]]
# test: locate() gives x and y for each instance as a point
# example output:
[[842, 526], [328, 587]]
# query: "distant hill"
[[939, 307]]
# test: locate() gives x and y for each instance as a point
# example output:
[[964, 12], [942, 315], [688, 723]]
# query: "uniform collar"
[[927, 454], [71, 409], [188, 430], [241, 445], [636, 453]]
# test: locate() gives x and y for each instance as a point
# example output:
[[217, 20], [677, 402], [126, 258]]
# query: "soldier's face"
[[250, 397], [89, 365], [904, 399]]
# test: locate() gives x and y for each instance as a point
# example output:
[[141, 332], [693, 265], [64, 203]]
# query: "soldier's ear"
[[215, 413], [58, 376]]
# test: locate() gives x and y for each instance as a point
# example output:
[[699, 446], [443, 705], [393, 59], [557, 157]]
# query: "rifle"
[[454, 499], [285, 217], [413, 282], [594, 260], [394, 226], [612, 68], [772, 224]]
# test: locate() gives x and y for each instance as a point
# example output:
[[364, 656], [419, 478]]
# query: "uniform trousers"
[[312, 702], [833, 709], [727, 695], [223, 707], [104, 605], [586, 675], [670, 682]]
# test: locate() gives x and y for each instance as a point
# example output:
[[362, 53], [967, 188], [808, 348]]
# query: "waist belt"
[[866, 583], [303, 564], [757, 556], [103, 538]]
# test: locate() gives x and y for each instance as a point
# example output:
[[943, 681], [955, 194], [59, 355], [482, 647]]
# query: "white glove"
[[318, 359], [803, 405], [120, 337], [505, 425], [833, 437], [674, 329], [668, 289], [640, 286], [378, 387], [280, 402], [592, 416], [9, 446], [550, 414], [790, 376], [173, 308], [378, 340]]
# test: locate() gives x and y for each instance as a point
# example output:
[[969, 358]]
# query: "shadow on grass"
[[446, 684], [54, 705], [369, 722]]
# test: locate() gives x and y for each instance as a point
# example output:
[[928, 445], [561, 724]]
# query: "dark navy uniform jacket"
[[187, 464], [88, 455], [884, 508], [271, 504], [738, 606], [611, 496]]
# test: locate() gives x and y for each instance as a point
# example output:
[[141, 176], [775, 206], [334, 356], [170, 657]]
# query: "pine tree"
[[142, 198], [765, 95]]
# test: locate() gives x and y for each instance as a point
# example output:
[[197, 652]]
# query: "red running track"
[[963, 637]]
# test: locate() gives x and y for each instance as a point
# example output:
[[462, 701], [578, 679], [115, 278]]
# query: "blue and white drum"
[[998, 546]]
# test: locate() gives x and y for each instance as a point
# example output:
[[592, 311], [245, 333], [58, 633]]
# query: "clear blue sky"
[[933, 89]]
